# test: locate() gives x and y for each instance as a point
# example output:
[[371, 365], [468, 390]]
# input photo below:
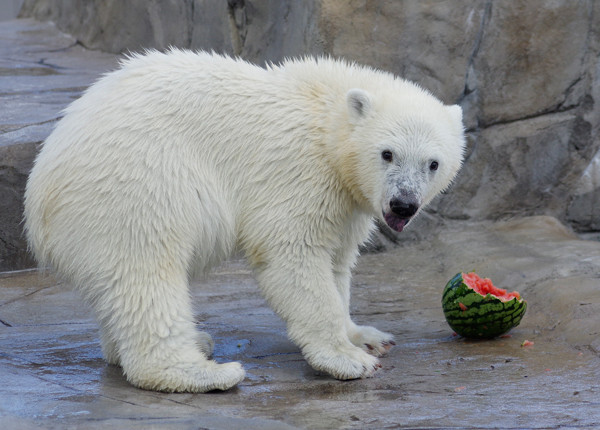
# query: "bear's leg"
[[159, 347], [110, 351], [368, 338], [302, 291]]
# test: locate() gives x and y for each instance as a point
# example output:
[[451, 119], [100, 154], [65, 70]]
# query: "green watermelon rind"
[[486, 316]]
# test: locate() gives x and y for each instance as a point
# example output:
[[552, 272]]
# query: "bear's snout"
[[403, 208]]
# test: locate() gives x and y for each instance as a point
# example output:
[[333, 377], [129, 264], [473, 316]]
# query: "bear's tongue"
[[395, 222]]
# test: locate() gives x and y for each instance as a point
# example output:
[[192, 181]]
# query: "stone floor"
[[52, 374]]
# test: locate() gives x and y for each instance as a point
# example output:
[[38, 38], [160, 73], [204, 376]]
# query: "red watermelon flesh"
[[484, 286]]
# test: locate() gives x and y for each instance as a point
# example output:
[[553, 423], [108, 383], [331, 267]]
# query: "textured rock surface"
[[528, 166], [527, 74], [584, 209], [265, 30], [532, 58], [504, 61], [430, 42]]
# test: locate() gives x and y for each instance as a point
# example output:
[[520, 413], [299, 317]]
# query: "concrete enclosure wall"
[[527, 74]]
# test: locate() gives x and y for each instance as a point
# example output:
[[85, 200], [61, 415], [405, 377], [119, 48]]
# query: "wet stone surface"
[[53, 375]]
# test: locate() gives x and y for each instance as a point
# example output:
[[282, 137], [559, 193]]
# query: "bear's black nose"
[[402, 208]]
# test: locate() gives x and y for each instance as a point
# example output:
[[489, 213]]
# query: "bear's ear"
[[456, 114], [359, 103]]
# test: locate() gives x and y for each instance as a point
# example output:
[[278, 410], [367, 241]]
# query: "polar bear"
[[169, 164]]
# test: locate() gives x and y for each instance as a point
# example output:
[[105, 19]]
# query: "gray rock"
[[524, 167], [257, 30], [265, 31], [584, 208], [388, 35], [119, 26], [15, 163], [527, 74], [531, 59], [429, 42]]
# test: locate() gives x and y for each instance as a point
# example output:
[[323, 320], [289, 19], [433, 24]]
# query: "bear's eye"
[[387, 155], [434, 166]]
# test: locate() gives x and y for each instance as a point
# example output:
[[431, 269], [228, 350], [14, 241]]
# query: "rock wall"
[[526, 72]]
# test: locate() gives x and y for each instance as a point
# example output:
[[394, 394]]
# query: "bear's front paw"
[[371, 340], [343, 362]]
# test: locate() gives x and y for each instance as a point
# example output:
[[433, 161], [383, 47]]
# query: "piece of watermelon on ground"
[[475, 308]]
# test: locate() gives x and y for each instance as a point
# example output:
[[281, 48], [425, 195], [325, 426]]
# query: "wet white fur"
[[169, 164]]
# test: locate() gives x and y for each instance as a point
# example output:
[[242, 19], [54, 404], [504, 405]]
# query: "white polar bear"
[[169, 164]]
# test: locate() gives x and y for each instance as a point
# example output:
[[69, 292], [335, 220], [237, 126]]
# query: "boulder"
[[523, 167], [584, 208], [261, 31], [118, 26], [531, 59], [429, 42]]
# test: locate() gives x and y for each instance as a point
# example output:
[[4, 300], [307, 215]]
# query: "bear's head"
[[403, 149]]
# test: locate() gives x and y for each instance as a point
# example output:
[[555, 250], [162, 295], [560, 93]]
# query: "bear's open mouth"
[[395, 222]]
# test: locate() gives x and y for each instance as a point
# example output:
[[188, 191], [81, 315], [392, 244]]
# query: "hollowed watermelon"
[[475, 308]]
